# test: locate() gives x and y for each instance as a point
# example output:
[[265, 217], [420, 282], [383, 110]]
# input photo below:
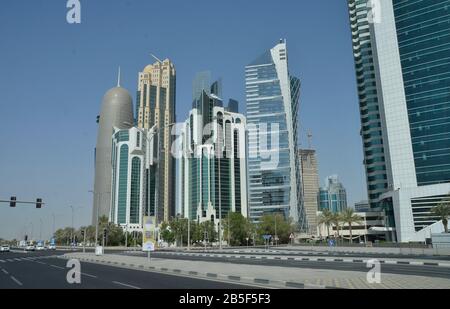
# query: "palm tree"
[[336, 219], [326, 219], [442, 210], [348, 216]]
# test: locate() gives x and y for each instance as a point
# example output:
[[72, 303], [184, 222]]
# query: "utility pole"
[[72, 231], [220, 193], [229, 235]]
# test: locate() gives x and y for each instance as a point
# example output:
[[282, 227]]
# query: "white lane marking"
[[10, 260], [5, 272], [2, 261], [40, 263], [16, 281], [17, 259], [59, 267], [92, 276], [126, 285]]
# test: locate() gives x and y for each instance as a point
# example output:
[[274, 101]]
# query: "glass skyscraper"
[[402, 55], [272, 109], [213, 167], [333, 196]]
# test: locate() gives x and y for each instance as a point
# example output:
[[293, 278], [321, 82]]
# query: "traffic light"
[[98, 119], [39, 203], [12, 202], [82, 233], [105, 233]]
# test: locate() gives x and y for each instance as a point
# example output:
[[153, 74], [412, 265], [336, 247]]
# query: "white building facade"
[[128, 193], [213, 168]]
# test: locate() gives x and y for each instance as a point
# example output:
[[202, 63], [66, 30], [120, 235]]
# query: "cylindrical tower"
[[116, 111]]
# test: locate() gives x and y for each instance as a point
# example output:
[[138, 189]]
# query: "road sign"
[[148, 247], [291, 236], [267, 237], [148, 235]]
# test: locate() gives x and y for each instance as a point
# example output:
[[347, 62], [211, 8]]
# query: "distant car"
[[40, 248], [5, 248], [51, 247], [30, 248]]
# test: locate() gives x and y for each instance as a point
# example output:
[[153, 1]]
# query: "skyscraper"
[[369, 103], [410, 73], [156, 101], [333, 195], [213, 167], [128, 178], [116, 111], [310, 186], [273, 163]]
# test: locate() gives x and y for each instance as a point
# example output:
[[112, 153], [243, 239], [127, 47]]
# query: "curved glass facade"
[[123, 183], [135, 192], [272, 103], [423, 31]]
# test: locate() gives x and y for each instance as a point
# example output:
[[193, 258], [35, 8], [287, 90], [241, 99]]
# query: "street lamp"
[[72, 231]]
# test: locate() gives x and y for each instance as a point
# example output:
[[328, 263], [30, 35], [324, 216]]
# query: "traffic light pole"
[[13, 202]]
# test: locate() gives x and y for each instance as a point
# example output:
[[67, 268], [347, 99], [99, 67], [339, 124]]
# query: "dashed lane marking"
[[126, 285], [16, 281]]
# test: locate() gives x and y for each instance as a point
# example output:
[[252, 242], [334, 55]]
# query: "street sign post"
[[148, 236]]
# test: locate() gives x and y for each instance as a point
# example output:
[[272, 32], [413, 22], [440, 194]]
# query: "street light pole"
[[72, 231], [40, 229]]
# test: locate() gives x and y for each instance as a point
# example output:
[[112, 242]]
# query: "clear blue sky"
[[53, 76]]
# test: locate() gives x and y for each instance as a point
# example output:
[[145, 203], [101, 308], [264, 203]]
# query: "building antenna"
[[157, 59], [310, 136], [118, 78]]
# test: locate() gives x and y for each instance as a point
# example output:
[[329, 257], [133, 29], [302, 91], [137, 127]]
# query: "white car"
[[40, 248], [30, 248], [5, 248], [51, 247]]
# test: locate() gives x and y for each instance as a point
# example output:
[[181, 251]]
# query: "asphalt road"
[[427, 271], [43, 270]]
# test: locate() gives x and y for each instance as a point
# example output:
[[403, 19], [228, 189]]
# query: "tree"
[[442, 210], [269, 223], [208, 230], [166, 233], [239, 228], [349, 217], [336, 219], [326, 218]]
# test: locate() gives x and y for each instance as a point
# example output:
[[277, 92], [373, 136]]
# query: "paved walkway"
[[270, 276]]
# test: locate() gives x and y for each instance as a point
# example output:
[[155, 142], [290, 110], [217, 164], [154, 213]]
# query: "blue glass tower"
[[272, 109], [402, 60]]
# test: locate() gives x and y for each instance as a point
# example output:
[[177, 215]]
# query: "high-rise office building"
[[156, 101], [128, 178], [310, 186], [369, 104], [333, 196], [213, 166], [116, 111], [273, 163], [405, 63]]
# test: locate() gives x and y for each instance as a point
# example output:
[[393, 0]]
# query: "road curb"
[[261, 282], [317, 259]]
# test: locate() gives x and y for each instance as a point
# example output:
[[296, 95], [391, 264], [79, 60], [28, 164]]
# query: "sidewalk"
[[262, 275]]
